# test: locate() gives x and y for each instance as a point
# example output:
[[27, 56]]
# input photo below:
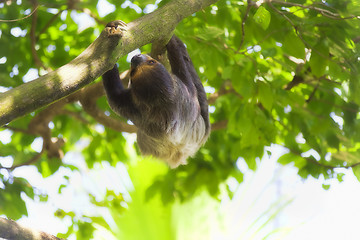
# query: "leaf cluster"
[[284, 73]]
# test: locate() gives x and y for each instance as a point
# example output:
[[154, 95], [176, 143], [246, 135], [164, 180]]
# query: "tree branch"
[[320, 164], [48, 24], [34, 54], [219, 125], [91, 14], [19, 19], [98, 58], [322, 11], [243, 20], [12, 230], [31, 161]]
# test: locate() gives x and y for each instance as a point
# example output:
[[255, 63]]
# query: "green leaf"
[[209, 33], [265, 95], [11, 203], [319, 59], [269, 52], [262, 17], [25, 187], [44, 169], [293, 46], [86, 230], [227, 72], [332, 140], [251, 162], [340, 176], [287, 158], [356, 171], [242, 78], [337, 72], [240, 120]]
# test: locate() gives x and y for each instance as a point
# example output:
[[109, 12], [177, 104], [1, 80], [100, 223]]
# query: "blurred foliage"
[[199, 218], [278, 72]]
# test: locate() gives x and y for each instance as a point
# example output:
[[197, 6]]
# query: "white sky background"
[[315, 213]]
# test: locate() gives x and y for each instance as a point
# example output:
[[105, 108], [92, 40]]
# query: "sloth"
[[170, 109]]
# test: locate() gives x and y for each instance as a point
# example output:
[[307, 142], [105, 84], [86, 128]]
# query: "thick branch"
[[11, 230], [99, 57], [219, 125]]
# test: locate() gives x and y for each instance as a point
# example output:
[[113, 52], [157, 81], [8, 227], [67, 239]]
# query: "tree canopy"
[[276, 73]]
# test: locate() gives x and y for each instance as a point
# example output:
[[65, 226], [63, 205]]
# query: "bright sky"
[[314, 214]]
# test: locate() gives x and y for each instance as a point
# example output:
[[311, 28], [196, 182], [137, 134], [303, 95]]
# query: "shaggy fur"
[[169, 109]]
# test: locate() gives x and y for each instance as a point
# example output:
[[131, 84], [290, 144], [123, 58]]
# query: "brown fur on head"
[[140, 64], [150, 80]]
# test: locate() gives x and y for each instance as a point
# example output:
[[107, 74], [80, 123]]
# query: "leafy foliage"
[[283, 72]]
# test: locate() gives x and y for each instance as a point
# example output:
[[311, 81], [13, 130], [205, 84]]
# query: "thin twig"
[[35, 56], [14, 129], [313, 92], [249, 2], [48, 24], [219, 125], [226, 88], [324, 12], [308, 159], [19, 19], [76, 115], [29, 162], [94, 16]]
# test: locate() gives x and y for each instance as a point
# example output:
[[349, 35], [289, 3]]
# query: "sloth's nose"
[[137, 60]]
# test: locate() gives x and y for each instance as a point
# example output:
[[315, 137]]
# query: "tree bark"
[[13, 231], [98, 58]]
